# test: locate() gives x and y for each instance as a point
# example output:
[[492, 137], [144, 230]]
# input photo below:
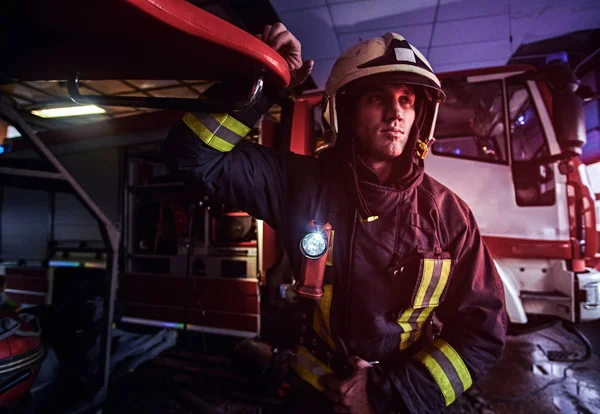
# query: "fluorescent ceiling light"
[[68, 111]]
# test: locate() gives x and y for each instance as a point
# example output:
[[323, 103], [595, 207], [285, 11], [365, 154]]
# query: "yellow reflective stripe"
[[424, 315], [321, 323], [403, 320], [309, 368], [325, 304], [456, 360], [439, 376], [232, 124], [409, 338], [205, 135], [425, 281], [329, 261], [404, 337], [435, 298]]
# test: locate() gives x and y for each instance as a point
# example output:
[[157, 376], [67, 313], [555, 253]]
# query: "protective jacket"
[[386, 279]]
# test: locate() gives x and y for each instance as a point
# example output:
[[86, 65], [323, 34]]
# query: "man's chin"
[[385, 156]]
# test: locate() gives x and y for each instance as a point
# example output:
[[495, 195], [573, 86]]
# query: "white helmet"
[[388, 54]]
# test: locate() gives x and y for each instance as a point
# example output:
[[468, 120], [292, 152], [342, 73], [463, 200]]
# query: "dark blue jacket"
[[423, 260]]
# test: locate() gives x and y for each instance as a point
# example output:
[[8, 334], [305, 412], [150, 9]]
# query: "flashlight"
[[314, 247]]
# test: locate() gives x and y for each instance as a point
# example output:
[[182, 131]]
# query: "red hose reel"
[[21, 355]]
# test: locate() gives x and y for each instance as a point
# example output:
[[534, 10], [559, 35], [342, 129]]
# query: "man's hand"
[[280, 39], [350, 395]]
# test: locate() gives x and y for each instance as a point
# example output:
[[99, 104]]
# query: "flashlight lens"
[[313, 245]]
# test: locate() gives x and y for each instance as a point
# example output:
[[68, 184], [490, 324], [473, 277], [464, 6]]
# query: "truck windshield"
[[471, 123]]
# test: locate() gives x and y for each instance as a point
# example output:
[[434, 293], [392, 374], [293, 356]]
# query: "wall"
[[95, 164]]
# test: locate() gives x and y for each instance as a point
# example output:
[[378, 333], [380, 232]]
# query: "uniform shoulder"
[[453, 211]]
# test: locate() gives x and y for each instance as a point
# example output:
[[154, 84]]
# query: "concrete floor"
[[527, 381], [511, 387]]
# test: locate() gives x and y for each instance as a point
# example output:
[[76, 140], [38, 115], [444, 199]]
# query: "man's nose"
[[394, 110]]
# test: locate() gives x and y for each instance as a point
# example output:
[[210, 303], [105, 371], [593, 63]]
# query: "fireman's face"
[[384, 115]]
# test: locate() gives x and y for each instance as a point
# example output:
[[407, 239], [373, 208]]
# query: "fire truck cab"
[[508, 141]]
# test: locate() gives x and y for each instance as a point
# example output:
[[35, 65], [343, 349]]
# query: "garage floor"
[[180, 382], [526, 381]]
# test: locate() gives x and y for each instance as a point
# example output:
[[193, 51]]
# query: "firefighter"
[[412, 310]]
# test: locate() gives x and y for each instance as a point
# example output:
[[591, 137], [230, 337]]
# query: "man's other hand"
[[286, 44], [349, 395]]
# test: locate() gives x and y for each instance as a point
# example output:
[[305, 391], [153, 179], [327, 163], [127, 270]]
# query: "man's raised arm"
[[210, 149]]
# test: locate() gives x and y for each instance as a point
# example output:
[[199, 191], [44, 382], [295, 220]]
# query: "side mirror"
[[567, 108]]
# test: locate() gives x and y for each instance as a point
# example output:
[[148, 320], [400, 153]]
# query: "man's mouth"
[[394, 131]]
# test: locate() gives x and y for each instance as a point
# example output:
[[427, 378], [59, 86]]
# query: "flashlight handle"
[[313, 275], [312, 271]]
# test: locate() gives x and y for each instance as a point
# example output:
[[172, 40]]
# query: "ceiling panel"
[[519, 27], [416, 35], [281, 6], [87, 91], [471, 30], [531, 8], [145, 84], [381, 14], [19, 101], [109, 86], [180, 92], [463, 9], [136, 93], [321, 71], [341, 1], [571, 3], [56, 89], [562, 20], [24, 92], [315, 30], [493, 50], [450, 67]]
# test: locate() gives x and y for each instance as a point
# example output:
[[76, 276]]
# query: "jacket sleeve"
[[471, 341], [209, 150]]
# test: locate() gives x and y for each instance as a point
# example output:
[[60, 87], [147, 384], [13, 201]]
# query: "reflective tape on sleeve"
[[447, 369], [218, 131], [409, 338], [413, 319]]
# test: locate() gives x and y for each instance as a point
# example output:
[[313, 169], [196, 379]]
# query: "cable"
[[588, 353], [536, 328], [549, 338], [584, 61]]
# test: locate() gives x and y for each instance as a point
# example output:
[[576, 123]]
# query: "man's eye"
[[406, 100], [375, 98]]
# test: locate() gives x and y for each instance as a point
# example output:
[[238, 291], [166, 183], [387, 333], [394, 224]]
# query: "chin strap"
[[422, 148]]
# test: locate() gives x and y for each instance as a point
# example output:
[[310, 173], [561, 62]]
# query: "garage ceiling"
[[452, 34]]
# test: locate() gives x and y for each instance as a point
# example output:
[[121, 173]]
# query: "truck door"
[[491, 133]]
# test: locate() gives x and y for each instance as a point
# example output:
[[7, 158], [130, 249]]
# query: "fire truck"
[[508, 142]]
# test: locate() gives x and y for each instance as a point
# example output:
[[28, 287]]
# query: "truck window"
[[471, 123], [533, 179]]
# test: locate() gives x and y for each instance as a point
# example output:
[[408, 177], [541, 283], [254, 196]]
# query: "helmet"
[[389, 54]]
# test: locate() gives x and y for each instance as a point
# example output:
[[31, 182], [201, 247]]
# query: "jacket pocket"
[[433, 276], [432, 281]]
